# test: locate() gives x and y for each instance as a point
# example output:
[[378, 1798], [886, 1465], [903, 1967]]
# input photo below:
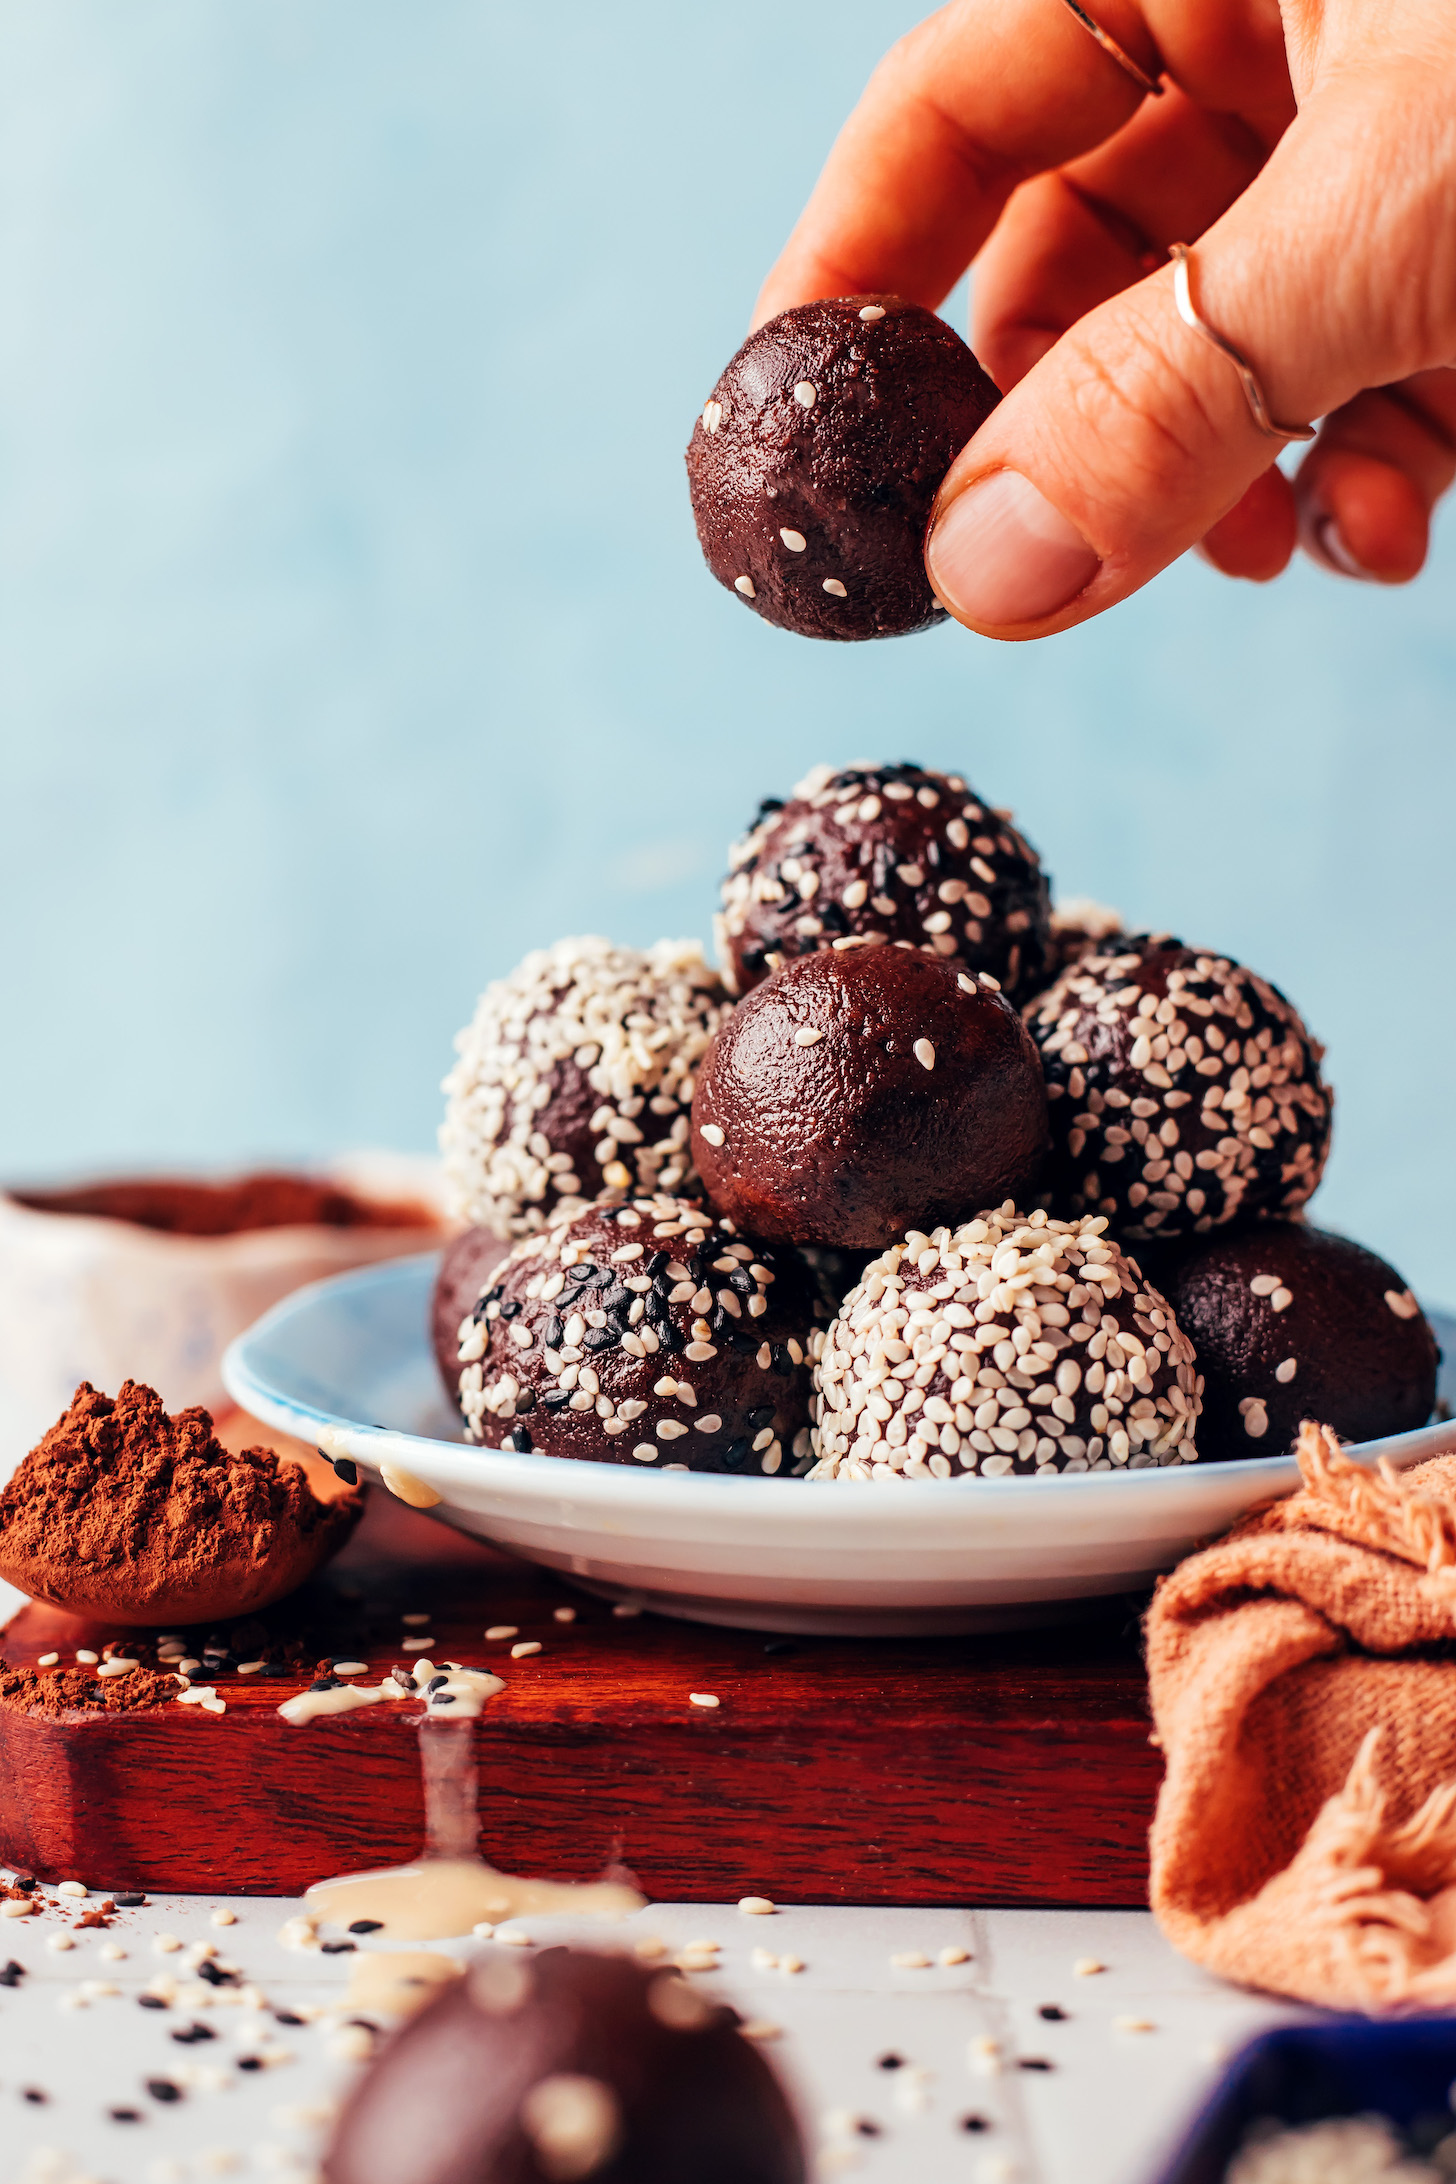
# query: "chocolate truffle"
[[1291, 1323], [646, 1333], [817, 458], [466, 1266], [1185, 1091], [1080, 928], [568, 2068], [575, 1077], [864, 1090], [1015, 1344], [885, 853]]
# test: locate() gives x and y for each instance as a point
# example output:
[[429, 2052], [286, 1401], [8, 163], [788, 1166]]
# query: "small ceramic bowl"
[[84, 1297], [348, 1366]]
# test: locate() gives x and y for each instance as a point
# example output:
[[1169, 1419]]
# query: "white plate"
[[767, 1554]]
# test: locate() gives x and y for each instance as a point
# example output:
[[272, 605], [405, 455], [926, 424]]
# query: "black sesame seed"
[[326, 1683], [744, 1344], [444, 1698], [1033, 2062], [654, 1263], [189, 2035], [762, 1415], [770, 803], [250, 2062], [34, 2095], [338, 1948], [511, 1309], [520, 1440], [215, 1976], [526, 1400], [164, 2089], [346, 1469], [555, 1399], [867, 2127], [373, 1926], [12, 1974], [25, 1882], [152, 2002], [671, 1338], [555, 1334], [656, 1306], [125, 2115], [717, 1319], [616, 1300], [599, 1338], [736, 1454], [891, 2062], [975, 2123], [367, 1926], [1053, 2013], [782, 1362], [743, 1282], [288, 2017]]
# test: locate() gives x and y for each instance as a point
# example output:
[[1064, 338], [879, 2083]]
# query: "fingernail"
[[1001, 553], [1331, 542]]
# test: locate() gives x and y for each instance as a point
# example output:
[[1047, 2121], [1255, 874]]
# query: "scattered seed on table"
[[416, 1645], [503, 1630], [526, 1646], [954, 1954], [72, 1888], [757, 1907], [1133, 2024], [222, 1916], [563, 1615], [1086, 1966], [1053, 2013], [910, 1960], [703, 1698], [65, 1939]]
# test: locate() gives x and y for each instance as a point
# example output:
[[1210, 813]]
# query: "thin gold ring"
[[1151, 84], [1182, 258]]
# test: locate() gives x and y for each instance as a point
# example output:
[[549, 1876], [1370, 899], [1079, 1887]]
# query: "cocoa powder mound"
[[125, 1512], [60, 1691]]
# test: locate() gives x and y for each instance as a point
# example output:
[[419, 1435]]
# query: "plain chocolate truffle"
[[1185, 1091], [646, 1333], [889, 853], [1038, 1347], [576, 1077], [1290, 1323], [817, 458], [864, 1091], [568, 2068], [466, 1265]]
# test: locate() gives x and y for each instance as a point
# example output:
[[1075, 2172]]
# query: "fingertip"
[[1363, 518], [1257, 537]]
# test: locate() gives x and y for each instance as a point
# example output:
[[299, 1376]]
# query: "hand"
[[1311, 160]]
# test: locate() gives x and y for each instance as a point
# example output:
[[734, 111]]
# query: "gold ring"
[[1151, 84], [1182, 258]]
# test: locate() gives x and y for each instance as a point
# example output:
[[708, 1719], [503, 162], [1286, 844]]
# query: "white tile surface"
[[1102, 2114]]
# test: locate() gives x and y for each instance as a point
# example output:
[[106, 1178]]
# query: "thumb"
[[1132, 437]]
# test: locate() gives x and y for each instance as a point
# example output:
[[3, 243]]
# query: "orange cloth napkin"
[[1303, 1676]]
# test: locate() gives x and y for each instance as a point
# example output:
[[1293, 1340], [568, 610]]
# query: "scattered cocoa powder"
[[263, 1201], [76, 1691], [124, 1513]]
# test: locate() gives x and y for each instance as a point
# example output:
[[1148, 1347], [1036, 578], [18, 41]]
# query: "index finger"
[[962, 109]]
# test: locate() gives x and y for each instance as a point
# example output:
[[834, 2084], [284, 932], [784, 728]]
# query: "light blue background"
[[353, 637]]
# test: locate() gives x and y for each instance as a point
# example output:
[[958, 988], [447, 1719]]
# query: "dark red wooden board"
[[1011, 1770]]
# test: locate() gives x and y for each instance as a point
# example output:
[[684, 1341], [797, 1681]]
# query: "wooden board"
[[1007, 1770]]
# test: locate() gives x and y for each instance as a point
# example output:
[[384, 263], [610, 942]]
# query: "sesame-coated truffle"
[[859, 1092], [1080, 928], [565, 2067], [645, 1333], [1291, 1323], [466, 1267], [1014, 1344], [575, 1077], [1185, 1091], [817, 458], [888, 853]]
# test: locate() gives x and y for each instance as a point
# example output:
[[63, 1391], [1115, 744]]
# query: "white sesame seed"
[[703, 1698], [794, 540], [1086, 1966], [834, 588], [746, 585], [526, 1646], [48, 1660], [1281, 1300], [563, 1615], [712, 416], [1402, 1304], [924, 1053], [806, 394], [1285, 1373], [645, 1453], [757, 1907], [670, 1429], [953, 1954], [807, 1036], [1133, 2024], [910, 1960], [871, 312], [416, 1645], [503, 1630], [712, 1133]]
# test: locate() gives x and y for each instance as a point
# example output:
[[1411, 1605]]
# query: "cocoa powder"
[[267, 1200], [60, 1691], [125, 1512]]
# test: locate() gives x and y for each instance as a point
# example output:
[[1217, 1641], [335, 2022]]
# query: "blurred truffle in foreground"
[[1290, 1323], [885, 853], [817, 458], [865, 1092], [566, 2067]]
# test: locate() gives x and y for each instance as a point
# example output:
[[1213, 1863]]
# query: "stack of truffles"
[[929, 1180]]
